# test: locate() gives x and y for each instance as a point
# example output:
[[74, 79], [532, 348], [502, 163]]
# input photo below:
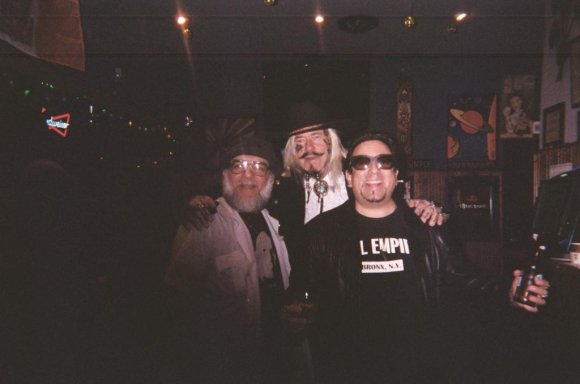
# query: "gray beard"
[[247, 205]]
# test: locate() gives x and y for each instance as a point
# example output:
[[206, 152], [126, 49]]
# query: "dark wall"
[[236, 87], [433, 80]]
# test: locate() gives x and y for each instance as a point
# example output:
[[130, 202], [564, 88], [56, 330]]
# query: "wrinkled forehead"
[[250, 158], [309, 134]]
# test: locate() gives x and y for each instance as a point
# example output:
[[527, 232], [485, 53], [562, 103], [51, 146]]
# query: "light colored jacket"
[[217, 268]]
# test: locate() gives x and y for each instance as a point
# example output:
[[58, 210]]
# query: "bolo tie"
[[320, 188]]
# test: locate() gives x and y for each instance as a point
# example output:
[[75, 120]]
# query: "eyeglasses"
[[240, 166], [362, 163]]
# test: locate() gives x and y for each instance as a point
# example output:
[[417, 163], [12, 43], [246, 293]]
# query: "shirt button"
[[276, 202]]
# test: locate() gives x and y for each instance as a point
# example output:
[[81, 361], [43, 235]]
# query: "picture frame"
[[575, 73], [517, 106], [471, 131], [553, 124]]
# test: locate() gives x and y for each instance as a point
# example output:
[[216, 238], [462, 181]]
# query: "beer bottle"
[[526, 279]]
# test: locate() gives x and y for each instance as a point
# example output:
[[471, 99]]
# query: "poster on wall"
[[471, 132], [517, 107]]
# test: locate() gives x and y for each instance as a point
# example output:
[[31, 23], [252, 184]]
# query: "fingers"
[[412, 203], [528, 308], [538, 292], [196, 218], [419, 207], [540, 288], [198, 213], [432, 215]]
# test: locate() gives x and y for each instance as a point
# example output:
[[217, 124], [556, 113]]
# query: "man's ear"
[[348, 178]]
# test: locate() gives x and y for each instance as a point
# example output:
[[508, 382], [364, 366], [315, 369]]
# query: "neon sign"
[[59, 124]]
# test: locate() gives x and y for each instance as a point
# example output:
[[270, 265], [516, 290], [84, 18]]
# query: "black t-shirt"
[[269, 274], [389, 296]]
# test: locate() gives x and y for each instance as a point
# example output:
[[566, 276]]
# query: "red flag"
[[48, 29]]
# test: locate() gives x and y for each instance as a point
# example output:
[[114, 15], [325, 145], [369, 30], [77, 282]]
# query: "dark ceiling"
[[141, 39], [242, 28], [141, 36]]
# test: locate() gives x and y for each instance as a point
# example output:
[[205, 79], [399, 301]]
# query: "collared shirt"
[[218, 266], [337, 194]]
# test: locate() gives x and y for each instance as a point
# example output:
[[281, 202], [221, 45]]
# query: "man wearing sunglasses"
[[374, 273], [233, 275]]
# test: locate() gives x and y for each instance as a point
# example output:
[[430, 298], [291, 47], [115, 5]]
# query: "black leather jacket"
[[331, 271], [331, 274]]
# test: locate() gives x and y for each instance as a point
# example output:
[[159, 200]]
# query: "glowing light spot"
[[319, 19], [459, 17]]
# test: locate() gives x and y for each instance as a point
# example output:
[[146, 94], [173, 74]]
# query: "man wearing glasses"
[[234, 274], [375, 276]]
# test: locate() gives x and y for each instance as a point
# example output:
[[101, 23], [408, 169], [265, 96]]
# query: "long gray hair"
[[333, 167]]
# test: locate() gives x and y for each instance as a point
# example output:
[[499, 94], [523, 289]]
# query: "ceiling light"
[[181, 20], [271, 3], [409, 21], [459, 17], [319, 19]]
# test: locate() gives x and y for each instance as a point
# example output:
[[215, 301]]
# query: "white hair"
[[333, 166], [247, 205]]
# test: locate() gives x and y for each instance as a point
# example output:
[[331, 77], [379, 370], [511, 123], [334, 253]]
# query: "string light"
[[102, 115]]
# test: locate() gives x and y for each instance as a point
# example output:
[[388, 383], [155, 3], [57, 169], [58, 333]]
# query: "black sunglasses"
[[362, 163]]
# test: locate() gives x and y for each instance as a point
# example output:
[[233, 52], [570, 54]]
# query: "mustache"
[[311, 154], [247, 183]]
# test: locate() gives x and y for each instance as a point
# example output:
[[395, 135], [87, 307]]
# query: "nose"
[[308, 145], [373, 167], [248, 172]]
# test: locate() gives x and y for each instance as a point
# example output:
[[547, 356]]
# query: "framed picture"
[[517, 106], [554, 124], [575, 73], [471, 131]]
